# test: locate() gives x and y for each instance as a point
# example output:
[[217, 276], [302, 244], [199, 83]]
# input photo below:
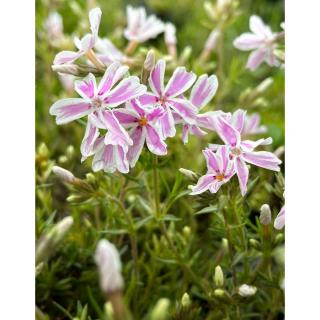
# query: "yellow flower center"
[[220, 176], [142, 122], [236, 152]]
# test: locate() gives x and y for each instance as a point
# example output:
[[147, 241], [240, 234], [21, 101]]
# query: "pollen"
[[142, 122], [236, 152], [96, 103], [220, 176]]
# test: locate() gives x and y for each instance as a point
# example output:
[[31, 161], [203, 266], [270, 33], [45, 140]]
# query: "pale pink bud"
[[170, 34], [63, 174], [212, 40]]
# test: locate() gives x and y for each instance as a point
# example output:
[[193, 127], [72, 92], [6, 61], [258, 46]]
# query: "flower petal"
[[87, 87], [126, 117], [104, 158], [258, 27], [255, 59], [156, 78], [180, 82], [248, 41], [154, 142], [166, 123], [263, 159], [242, 172], [185, 109], [248, 145], [203, 184], [95, 18], [280, 219], [212, 161], [238, 119], [70, 109], [126, 90], [66, 57], [113, 74], [138, 136], [121, 161], [148, 99], [90, 137], [227, 132], [204, 90]]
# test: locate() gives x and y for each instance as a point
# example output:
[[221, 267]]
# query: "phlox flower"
[[242, 151], [262, 40], [85, 44], [201, 93], [140, 27], [107, 52], [220, 171], [142, 123], [54, 26], [279, 221], [170, 97]]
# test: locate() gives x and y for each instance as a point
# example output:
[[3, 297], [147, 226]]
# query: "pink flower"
[[262, 40], [170, 97], [85, 44], [107, 52], [143, 128], [108, 94], [220, 171], [279, 221], [202, 92], [242, 151], [140, 27]]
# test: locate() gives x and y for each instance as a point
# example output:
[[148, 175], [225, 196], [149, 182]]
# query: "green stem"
[[156, 187]]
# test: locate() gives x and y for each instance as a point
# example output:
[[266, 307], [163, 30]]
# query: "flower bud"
[[68, 68], [91, 178], [246, 290], [225, 245], [185, 55], [254, 244], [109, 266], [188, 173], [218, 276], [150, 60], [160, 311], [185, 300], [279, 151], [212, 40], [279, 238], [264, 85], [265, 214], [186, 231], [49, 242], [219, 292], [170, 34], [109, 310], [63, 174], [54, 26], [63, 159]]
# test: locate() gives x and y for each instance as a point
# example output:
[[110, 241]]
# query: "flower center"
[[142, 122], [162, 101], [220, 176], [235, 152], [96, 103]]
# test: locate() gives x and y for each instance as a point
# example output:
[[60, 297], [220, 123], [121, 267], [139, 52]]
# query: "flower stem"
[[94, 59], [132, 45], [156, 187]]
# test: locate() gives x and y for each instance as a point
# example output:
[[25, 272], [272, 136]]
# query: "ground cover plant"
[[160, 159]]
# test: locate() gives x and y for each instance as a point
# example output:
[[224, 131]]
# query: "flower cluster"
[[123, 114]]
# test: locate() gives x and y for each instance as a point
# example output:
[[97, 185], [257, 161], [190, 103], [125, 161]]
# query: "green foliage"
[[178, 249]]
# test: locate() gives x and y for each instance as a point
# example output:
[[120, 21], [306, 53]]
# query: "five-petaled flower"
[[86, 43], [170, 97], [262, 40], [140, 27], [242, 151], [220, 170]]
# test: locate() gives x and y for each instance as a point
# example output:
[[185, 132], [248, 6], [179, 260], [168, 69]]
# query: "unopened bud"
[[91, 178], [160, 311], [264, 85], [219, 292], [265, 214], [212, 40], [279, 238], [68, 68], [254, 244], [149, 61], [63, 174], [186, 231], [63, 159], [43, 151], [54, 26], [109, 310], [185, 300], [52, 239], [246, 290], [218, 276], [225, 245], [109, 266], [209, 9], [170, 39], [279, 151], [185, 55], [70, 151], [188, 173]]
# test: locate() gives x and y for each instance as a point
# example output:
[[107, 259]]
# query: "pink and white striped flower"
[[280, 219], [170, 97], [220, 171], [262, 40], [140, 27], [109, 94], [242, 151], [85, 44], [142, 123], [202, 92], [107, 52]]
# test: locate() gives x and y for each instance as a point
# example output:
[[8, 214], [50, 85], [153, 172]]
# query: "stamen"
[[236, 152], [220, 176], [142, 122]]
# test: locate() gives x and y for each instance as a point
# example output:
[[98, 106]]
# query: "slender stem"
[[132, 45], [94, 59], [156, 187]]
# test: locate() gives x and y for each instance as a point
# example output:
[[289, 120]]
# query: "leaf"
[[209, 209], [142, 222], [114, 231], [170, 217]]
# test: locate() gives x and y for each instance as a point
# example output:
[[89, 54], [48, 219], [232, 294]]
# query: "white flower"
[[246, 290], [109, 266], [54, 26], [140, 27], [170, 34]]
